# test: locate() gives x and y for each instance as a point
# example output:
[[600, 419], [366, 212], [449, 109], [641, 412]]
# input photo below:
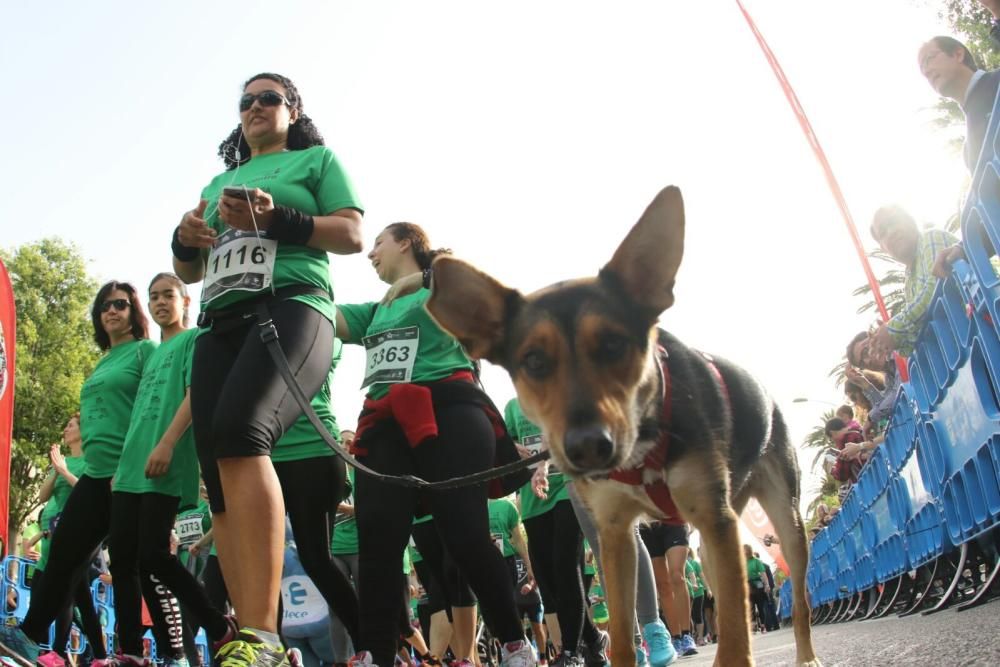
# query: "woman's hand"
[[540, 481], [58, 461], [236, 211], [159, 459], [194, 232]]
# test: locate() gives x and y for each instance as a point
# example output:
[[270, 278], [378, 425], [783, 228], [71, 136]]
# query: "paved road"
[[946, 639]]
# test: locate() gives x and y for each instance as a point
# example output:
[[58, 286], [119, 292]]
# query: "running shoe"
[[567, 659], [518, 654], [362, 659], [294, 656], [661, 649], [596, 653], [249, 650], [15, 641], [687, 645], [640, 657], [50, 659], [231, 632]]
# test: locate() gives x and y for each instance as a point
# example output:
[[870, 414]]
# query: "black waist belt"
[[236, 313]]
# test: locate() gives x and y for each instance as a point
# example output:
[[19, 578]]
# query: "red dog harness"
[[658, 491]]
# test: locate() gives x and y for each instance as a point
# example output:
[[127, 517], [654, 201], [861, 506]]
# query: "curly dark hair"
[[136, 316], [303, 134]]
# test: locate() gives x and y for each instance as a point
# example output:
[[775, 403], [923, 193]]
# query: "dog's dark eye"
[[611, 348], [536, 364]]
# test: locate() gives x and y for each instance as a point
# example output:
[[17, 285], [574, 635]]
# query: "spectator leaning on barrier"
[[950, 68], [897, 233], [876, 377]]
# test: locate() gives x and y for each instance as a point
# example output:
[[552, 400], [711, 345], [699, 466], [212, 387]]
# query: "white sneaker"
[[517, 654]]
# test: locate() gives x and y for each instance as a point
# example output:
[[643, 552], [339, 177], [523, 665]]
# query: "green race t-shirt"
[[345, 528], [504, 520], [191, 525], [106, 400], [161, 392], [302, 441], [694, 567], [528, 435], [437, 353], [311, 181], [50, 513], [755, 573]]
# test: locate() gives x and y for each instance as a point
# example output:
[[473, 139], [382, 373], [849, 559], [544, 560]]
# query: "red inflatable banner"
[[7, 340], [756, 520]]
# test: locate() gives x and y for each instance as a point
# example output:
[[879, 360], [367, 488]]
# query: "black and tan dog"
[[644, 424]]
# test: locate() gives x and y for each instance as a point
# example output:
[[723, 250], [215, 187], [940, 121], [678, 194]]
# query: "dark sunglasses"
[[268, 98], [117, 304]]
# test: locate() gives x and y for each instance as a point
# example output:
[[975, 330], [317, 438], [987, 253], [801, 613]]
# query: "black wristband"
[[181, 251], [427, 274], [289, 225]]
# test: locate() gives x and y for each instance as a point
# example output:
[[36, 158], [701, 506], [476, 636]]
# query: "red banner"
[[7, 340], [755, 519]]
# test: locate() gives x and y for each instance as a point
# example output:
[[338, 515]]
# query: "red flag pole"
[[8, 332], [831, 180]]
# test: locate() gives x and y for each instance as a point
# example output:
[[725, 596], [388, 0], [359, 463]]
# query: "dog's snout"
[[589, 447]]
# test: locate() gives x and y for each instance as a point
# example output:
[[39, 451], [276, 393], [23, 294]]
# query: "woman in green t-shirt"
[[106, 399], [758, 587], [259, 239], [158, 470], [425, 415], [55, 491]]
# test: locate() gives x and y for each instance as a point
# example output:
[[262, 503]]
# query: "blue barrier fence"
[[934, 485], [15, 596]]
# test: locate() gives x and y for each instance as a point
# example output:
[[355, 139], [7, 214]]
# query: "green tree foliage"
[[55, 352]]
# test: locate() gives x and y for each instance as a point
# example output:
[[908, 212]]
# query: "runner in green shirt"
[[157, 473], [313, 482], [696, 590], [260, 237], [758, 587], [424, 415], [555, 543], [106, 399]]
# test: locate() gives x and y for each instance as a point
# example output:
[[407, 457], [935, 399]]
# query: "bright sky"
[[526, 136]]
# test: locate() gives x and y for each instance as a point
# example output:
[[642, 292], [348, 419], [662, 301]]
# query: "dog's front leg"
[[615, 515], [700, 488]]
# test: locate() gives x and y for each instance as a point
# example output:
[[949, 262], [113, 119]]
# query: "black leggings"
[[83, 600], [465, 444], [555, 545], [312, 488], [215, 583], [240, 405], [140, 543], [448, 587], [697, 611], [82, 527], [758, 602]]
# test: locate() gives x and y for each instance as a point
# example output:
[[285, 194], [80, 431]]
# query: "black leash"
[[269, 336]]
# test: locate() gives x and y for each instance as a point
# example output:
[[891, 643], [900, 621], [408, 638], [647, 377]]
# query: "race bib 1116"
[[239, 261]]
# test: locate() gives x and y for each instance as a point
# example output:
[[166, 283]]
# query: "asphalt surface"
[[946, 639]]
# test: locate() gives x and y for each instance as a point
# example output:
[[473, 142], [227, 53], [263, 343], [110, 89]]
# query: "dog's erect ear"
[[646, 262], [471, 306]]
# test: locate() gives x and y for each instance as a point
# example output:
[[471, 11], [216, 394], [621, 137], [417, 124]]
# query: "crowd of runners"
[[193, 465]]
